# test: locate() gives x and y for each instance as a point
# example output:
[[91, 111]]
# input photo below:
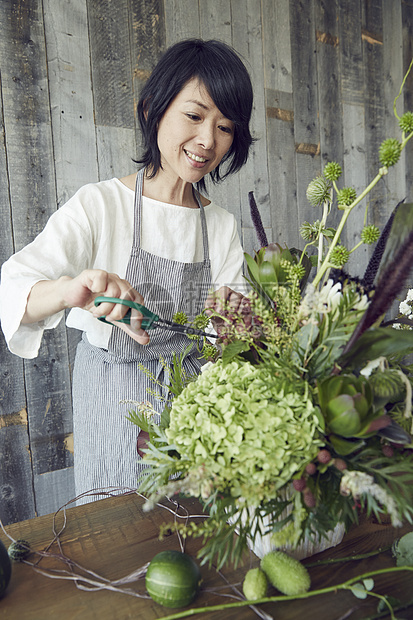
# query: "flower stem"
[[325, 264], [350, 558], [346, 585]]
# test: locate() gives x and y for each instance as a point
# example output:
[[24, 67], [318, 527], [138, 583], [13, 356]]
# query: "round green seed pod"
[[332, 171], [370, 234], [406, 122], [389, 152], [339, 256], [346, 196], [255, 584], [19, 550], [285, 573]]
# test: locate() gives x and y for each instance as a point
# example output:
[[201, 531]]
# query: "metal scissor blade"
[[182, 329]]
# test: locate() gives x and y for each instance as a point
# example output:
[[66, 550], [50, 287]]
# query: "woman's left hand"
[[225, 301]]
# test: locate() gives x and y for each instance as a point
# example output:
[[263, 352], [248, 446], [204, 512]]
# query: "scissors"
[[150, 319]]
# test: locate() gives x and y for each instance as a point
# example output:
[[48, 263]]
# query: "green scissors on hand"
[[150, 319]]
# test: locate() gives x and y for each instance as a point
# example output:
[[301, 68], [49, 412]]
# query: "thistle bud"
[[318, 191]]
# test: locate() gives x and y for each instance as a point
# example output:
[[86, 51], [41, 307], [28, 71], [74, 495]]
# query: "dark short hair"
[[224, 75]]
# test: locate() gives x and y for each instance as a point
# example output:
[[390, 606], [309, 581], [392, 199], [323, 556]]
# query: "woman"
[[150, 237]]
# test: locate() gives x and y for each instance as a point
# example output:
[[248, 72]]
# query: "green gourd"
[[255, 584], [285, 573], [173, 579]]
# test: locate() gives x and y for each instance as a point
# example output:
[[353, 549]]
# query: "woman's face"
[[193, 134]]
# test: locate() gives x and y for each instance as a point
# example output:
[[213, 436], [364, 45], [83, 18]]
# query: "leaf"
[[233, 349], [391, 600], [392, 279], [253, 268], [359, 591], [344, 447], [401, 227], [368, 584], [377, 342]]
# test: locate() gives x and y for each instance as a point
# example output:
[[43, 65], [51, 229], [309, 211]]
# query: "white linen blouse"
[[94, 230]]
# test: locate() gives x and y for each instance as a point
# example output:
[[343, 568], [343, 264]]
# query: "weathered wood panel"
[[306, 121], [325, 75], [30, 169], [407, 42], [16, 498]]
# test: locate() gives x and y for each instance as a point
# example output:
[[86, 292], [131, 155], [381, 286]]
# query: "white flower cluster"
[[327, 300], [358, 483], [406, 309]]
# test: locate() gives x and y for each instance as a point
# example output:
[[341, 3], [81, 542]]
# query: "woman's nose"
[[206, 136]]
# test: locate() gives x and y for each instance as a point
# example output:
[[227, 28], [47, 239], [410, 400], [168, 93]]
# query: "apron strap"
[[137, 227]]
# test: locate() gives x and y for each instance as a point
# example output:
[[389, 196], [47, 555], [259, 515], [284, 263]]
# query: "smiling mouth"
[[194, 157]]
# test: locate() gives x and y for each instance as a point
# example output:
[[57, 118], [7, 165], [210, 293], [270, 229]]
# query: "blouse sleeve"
[[64, 247], [229, 270]]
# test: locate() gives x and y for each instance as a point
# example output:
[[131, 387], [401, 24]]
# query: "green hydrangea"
[[389, 152], [249, 434]]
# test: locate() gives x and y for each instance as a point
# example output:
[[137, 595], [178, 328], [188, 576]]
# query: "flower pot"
[[263, 544]]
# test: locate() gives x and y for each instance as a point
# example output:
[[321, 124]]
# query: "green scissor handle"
[[148, 317]]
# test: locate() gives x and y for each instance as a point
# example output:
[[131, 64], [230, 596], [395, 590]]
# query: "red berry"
[[299, 484], [311, 468], [387, 450], [308, 498], [324, 456], [340, 464]]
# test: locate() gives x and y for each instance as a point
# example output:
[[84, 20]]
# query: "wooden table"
[[114, 536]]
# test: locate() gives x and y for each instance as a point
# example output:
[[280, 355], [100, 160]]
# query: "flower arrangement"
[[302, 416]]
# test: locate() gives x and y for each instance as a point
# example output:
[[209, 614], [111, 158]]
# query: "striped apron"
[[105, 441]]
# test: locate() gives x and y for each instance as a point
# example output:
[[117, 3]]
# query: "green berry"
[[318, 191], [332, 171], [339, 256], [346, 196], [370, 234], [285, 573], [255, 584], [389, 152], [406, 122]]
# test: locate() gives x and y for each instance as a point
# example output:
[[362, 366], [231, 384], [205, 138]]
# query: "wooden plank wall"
[[325, 75]]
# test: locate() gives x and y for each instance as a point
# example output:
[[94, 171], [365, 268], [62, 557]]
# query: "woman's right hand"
[[50, 296]]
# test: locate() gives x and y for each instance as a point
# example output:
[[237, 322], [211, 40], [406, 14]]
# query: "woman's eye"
[[193, 117], [226, 129]]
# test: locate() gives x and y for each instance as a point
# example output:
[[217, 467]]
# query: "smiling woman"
[[149, 237], [219, 82]]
